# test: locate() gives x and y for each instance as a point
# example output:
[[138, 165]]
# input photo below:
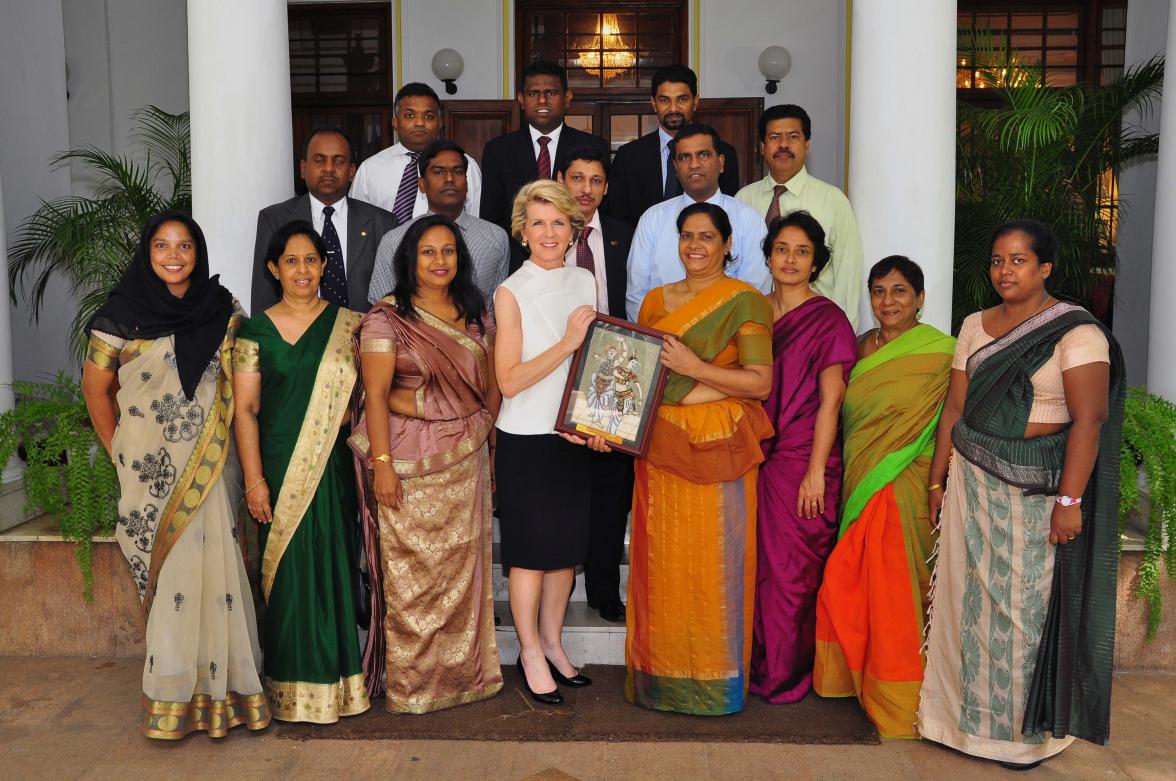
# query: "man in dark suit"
[[351, 229], [642, 173], [603, 249], [534, 151]]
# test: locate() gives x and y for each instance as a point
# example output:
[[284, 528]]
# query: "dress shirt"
[[596, 244], [378, 180], [552, 148], [653, 257], [665, 139], [487, 243], [842, 280], [338, 219]]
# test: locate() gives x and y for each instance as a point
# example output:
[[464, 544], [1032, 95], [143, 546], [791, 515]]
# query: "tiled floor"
[[75, 718]]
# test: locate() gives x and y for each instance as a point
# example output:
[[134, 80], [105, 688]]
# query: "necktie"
[[671, 187], [584, 253], [407, 193], [543, 164], [774, 208], [334, 284]]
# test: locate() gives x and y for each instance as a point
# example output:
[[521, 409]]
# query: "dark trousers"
[[612, 498]]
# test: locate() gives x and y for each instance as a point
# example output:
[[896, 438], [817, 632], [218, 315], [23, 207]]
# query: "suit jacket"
[[508, 162], [366, 225], [636, 181], [617, 236]]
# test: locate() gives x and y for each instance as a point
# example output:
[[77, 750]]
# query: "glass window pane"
[[579, 77], [580, 121], [583, 23], [623, 128]]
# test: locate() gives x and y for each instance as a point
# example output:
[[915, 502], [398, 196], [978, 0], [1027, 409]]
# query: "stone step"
[[587, 638]]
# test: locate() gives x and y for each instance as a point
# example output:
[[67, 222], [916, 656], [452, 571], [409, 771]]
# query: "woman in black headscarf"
[[157, 383]]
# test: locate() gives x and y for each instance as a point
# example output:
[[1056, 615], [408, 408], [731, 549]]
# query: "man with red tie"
[[535, 151], [603, 249]]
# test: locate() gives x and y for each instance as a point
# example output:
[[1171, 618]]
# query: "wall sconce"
[[774, 64], [447, 66]]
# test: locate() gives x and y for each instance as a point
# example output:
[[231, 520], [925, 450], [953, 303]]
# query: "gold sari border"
[[419, 705], [377, 345], [134, 349], [429, 464], [329, 403], [166, 720], [203, 469], [317, 703], [246, 356], [101, 354]]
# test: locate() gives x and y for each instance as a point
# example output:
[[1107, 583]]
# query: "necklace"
[[1000, 318], [318, 305]]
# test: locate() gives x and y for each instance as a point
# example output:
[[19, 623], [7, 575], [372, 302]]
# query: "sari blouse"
[[447, 370]]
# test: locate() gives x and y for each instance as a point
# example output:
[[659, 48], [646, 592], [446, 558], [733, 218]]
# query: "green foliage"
[[64, 457], [1149, 441], [1046, 153], [90, 240]]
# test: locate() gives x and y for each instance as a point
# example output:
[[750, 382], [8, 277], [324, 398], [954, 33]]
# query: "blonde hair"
[[545, 191]]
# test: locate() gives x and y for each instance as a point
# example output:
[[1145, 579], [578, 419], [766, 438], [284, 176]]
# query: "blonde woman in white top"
[[543, 312]]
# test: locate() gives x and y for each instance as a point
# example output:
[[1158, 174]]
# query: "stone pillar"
[[1161, 363], [13, 469], [902, 138], [242, 148]]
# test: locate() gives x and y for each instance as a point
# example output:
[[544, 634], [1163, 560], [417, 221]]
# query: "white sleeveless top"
[[546, 297]]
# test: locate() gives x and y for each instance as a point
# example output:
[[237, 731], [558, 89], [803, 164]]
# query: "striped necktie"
[[774, 208], [406, 195], [543, 164]]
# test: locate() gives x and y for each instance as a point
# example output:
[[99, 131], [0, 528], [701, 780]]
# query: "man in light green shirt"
[[785, 135]]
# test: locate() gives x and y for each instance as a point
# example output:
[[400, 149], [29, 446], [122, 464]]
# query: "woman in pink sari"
[[814, 349]]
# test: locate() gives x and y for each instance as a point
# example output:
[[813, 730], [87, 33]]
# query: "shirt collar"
[[664, 137], [553, 135], [463, 219], [594, 223], [795, 185], [317, 206], [686, 200]]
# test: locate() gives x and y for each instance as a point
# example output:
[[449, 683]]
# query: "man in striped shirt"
[[442, 171]]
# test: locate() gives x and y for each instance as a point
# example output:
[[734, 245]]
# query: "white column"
[[1161, 361], [12, 470], [239, 93], [902, 137]]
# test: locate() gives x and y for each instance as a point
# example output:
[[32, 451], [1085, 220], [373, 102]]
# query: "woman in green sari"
[[294, 373], [872, 605]]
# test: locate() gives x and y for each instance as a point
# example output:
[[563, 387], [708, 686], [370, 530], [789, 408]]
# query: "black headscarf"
[[141, 306]]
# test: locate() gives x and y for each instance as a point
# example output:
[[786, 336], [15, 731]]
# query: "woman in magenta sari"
[[813, 349]]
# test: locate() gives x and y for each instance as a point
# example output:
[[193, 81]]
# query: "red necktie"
[[774, 209], [543, 164], [584, 253]]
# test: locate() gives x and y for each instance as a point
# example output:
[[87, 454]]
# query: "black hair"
[[544, 68], [696, 129], [903, 265], [436, 148], [414, 89], [1041, 238], [785, 111], [281, 237], [467, 299], [718, 217], [812, 229], [328, 129], [582, 153], [677, 74]]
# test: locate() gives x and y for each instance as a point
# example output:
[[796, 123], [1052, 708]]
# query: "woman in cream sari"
[[293, 375], [430, 402], [156, 383]]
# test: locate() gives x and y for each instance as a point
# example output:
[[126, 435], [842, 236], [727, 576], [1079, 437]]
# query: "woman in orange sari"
[[692, 551], [872, 606]]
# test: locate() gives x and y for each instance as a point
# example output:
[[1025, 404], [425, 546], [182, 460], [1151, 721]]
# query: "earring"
[[918, 314], [524, 242]]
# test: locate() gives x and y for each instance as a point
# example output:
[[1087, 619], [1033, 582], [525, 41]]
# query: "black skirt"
[[544, 497]]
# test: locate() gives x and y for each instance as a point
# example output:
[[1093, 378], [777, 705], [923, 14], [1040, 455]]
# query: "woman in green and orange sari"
[[692, 551], [294, 371], [872, 605]]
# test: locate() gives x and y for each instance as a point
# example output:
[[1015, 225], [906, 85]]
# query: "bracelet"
[[934, 487], [259, 482], [385, 457]]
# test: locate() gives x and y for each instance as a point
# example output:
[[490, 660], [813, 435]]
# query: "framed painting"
[[615, 385]]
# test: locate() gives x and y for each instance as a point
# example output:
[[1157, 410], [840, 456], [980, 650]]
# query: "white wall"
[[472, 28], [1147, 25], [734, 32], [33, 127]]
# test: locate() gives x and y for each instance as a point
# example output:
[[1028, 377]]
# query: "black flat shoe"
[[543, 698], [1019, 765], [613, 610], [576, 681]]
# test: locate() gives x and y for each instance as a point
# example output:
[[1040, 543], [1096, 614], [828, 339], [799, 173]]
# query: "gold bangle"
[[259, 482], [934, 487], [385, 457]]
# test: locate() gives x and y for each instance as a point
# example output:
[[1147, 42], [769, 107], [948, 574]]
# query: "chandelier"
[[612, 54]]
